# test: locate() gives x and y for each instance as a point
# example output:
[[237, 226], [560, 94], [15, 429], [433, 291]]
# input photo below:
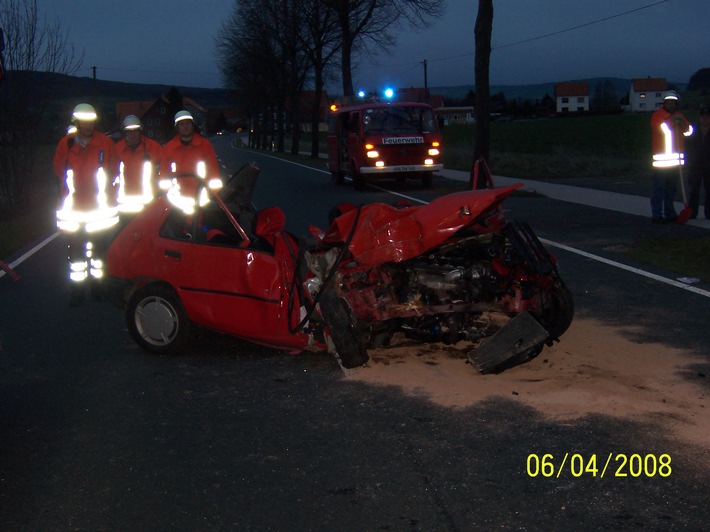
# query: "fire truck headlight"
[[380, 164], [433, 151], [428, 161], [373, 154]]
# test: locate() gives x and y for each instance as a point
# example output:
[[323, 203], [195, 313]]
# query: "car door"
[[223, 286]]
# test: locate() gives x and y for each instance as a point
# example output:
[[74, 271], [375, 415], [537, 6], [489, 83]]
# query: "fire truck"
[[369, 141]]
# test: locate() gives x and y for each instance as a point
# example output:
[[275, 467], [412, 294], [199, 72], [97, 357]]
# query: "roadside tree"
[[482, 32], [31, 46], [369, 25], [322, 44], [700, 81], [262, 56]]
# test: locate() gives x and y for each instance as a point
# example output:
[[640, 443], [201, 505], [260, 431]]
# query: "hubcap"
[[156, 321]]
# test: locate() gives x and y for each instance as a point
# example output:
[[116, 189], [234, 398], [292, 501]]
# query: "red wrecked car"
[[451, 270]]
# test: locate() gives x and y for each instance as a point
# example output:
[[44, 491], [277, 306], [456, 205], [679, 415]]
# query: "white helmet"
[[84, 112], [671, 95], [183, 115], [131, 122]]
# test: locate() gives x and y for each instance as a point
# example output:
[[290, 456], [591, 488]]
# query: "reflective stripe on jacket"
[[667, 133], [85, 162]]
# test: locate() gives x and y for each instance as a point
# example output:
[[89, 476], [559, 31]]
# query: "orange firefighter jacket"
[[137, 170], [91, 188], [667, 133], [180, 159]]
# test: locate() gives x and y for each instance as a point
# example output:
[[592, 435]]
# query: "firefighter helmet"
[[671, 95], [84, 112], [131, 122], [183, 115]]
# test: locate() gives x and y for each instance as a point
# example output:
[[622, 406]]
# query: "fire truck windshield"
[[394, 120]]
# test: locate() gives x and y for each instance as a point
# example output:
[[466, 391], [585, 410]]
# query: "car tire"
[[157, 320], [561, 312], [337, 316]]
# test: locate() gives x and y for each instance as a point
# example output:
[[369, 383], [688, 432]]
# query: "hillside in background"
[[84, 88], [64, 92], [67, 91], [537, 91]]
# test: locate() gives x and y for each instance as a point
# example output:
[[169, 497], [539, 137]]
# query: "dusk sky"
[[172, 42]]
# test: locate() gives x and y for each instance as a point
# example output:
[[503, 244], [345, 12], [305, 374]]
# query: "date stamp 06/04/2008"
[[611, 465]]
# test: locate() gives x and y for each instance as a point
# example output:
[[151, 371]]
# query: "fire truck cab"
[[373, 140]]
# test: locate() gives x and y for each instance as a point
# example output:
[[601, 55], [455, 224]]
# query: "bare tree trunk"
[[483, 31], [30, 47], [315, 117], [346, 59]]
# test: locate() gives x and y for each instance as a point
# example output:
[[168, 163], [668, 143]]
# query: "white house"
[[572, 97], [646, 94], [455, 115]]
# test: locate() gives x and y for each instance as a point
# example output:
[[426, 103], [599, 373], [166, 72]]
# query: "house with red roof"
[[646, 94], [572, 97], [157, 116]]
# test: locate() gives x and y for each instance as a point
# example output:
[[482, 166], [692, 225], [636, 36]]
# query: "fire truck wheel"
[[157, 320], [337, 177]]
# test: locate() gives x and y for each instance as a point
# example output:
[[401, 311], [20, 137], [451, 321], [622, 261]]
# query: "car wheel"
[[157, 320], [560, 313], [336, 314]]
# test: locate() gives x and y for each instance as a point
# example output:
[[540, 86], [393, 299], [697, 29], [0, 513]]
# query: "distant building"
[[572, 97], [646, 94], [455, 115], [157, 116]]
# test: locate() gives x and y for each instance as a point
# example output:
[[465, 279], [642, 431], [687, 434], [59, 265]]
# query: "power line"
[[580, 25], [468, 54]]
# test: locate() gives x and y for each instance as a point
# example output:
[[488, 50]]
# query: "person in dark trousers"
[[668, 129], [84, 163], [699, 164]]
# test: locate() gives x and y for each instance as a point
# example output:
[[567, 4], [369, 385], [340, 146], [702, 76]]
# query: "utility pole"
[[426, 82], [93, 70]]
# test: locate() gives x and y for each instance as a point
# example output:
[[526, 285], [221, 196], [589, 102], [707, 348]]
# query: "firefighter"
[[668, 128], [188, 153], [84, 162], [138, 158]]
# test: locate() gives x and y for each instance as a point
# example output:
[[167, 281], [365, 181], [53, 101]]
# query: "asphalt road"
[[97, 435]]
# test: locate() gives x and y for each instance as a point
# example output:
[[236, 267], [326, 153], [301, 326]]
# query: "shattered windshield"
[[393, 120]]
